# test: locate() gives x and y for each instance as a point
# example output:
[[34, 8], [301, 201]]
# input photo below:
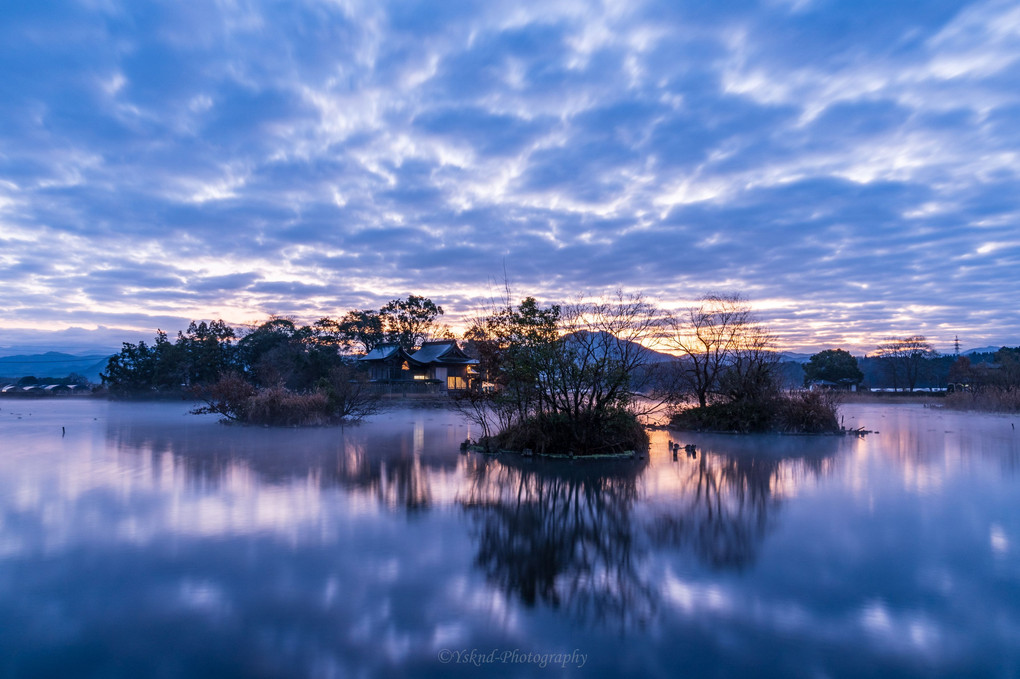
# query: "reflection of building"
[[441, 363]]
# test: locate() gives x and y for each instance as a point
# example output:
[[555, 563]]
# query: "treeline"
[[987, 385], [70, 380], [277, 372], [564, 377], [983, 381], [911, 363], [276, 352]]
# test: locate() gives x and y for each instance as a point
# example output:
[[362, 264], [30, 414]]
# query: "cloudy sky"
[[850, 167]]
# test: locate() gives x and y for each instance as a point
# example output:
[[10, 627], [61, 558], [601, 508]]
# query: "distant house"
[[388, 362], [842, 385], [441, 363], [444, 361]]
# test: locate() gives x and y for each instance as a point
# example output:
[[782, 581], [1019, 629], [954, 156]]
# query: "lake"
[[141, 541]]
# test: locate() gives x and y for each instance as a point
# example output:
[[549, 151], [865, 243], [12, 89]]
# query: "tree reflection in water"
[[731, 490], [392, 465], [561, 534], [581, 536]]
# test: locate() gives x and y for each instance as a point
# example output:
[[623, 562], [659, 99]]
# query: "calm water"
[[148, 542]]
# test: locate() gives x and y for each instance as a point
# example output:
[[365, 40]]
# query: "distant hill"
[[53, 364], [980, 350], [795, 357], [607, 340]]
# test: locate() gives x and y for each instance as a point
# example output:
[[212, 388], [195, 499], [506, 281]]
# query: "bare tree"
[[602, 363], [350, 395], [905, 357], [708, 336], [751, 373], [576, 369]]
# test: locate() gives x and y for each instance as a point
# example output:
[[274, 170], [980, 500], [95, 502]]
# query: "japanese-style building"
[[441, 363]]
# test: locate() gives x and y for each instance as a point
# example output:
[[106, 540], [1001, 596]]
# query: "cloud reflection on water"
[[369, 549]]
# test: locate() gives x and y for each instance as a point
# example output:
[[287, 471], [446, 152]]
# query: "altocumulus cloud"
[[851, 167]]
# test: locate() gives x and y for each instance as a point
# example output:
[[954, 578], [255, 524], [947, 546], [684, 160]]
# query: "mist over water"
[[143, 541]]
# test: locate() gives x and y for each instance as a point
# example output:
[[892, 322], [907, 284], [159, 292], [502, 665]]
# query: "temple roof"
[[442, 352], [385, 352]]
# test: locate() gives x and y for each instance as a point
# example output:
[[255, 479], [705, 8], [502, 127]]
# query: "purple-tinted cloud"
[[850, 167]]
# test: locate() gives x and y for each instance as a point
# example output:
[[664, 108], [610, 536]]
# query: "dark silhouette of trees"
[[206, 351], [833, 365], [130, 369], [272, 353], [361, 330], [752, 374], [985, 385], [729, 365], [410, 322], [146, 368]]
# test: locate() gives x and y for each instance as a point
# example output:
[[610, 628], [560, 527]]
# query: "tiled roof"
[[381, 352], [442, 352]]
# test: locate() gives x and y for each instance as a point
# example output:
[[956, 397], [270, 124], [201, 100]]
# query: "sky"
[[851, 168]]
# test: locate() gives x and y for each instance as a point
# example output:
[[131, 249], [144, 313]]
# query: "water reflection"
[[569, 535], [726, 497], [394, 466], [149, 543], [562, 534], [580, 536]]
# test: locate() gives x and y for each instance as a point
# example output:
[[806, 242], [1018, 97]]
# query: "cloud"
[[246, 159]]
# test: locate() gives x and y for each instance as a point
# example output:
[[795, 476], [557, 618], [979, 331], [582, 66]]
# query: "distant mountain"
[[605, 339], [980, 350], [75, 349], [53, 364], [795, 357]]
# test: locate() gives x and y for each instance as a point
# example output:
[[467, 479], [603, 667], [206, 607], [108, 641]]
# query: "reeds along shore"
[[992, 399]]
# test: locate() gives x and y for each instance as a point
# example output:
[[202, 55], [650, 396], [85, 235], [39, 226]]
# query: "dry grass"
[[994, 399], [280, 407]]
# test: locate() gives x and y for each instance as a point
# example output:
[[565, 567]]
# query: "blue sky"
[[850, 167]]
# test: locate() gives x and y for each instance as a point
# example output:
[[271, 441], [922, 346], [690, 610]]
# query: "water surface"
[[142, 541]]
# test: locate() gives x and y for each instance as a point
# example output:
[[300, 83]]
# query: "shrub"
[[349, 393], [229, 396], [339, 398], [558, 434], [809, 412], [280, 406]]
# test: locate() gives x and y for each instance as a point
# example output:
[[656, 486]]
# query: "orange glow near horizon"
[[780, 314]]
